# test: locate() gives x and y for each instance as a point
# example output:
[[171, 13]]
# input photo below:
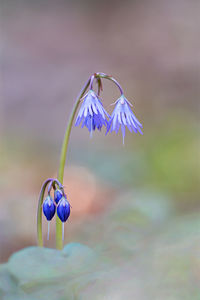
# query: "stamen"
[[48, 231], [91, 129], [63, 231]]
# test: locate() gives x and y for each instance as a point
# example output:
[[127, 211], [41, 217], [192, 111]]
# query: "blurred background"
[[48, 50]]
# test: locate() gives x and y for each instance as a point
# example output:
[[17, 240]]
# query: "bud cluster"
[[57, 203]]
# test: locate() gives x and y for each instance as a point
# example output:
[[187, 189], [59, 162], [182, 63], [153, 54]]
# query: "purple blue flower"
[[92, 113], [57, 195], [123, 116], [63, 209], [49, 208]]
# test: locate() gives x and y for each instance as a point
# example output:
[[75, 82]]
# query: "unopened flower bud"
[[49, 208], [63, 209], [57, 195]]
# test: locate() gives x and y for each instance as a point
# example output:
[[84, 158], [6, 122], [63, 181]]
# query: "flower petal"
[[91, 113], [94, 108], [123, 118]]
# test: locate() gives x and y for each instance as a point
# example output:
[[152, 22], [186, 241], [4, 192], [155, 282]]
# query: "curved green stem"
[[59, 242], [39, 213]]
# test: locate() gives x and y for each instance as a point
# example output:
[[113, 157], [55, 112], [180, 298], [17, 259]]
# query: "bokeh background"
[[125, 199]]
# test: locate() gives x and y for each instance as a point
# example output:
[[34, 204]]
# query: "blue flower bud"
[[49, 208], [63, 209], [57, 195]]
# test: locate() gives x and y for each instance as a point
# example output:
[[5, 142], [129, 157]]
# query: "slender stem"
[[102, 75], [53, 184], [39, 212], [91, 81], [100, 87], [59, 242]]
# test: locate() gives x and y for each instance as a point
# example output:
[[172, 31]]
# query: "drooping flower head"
[[49, 205], [63, 209], [57, 195], [49, 208], [63, 212], [92, 113], [123, 116]]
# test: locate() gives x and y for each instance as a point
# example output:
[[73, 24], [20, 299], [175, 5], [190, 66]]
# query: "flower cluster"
[[93, 115], [57, 203]]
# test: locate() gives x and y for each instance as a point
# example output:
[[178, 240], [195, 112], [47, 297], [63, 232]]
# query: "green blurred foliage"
[[172, 156], [165, 158], [152, 256], [139, 247]]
